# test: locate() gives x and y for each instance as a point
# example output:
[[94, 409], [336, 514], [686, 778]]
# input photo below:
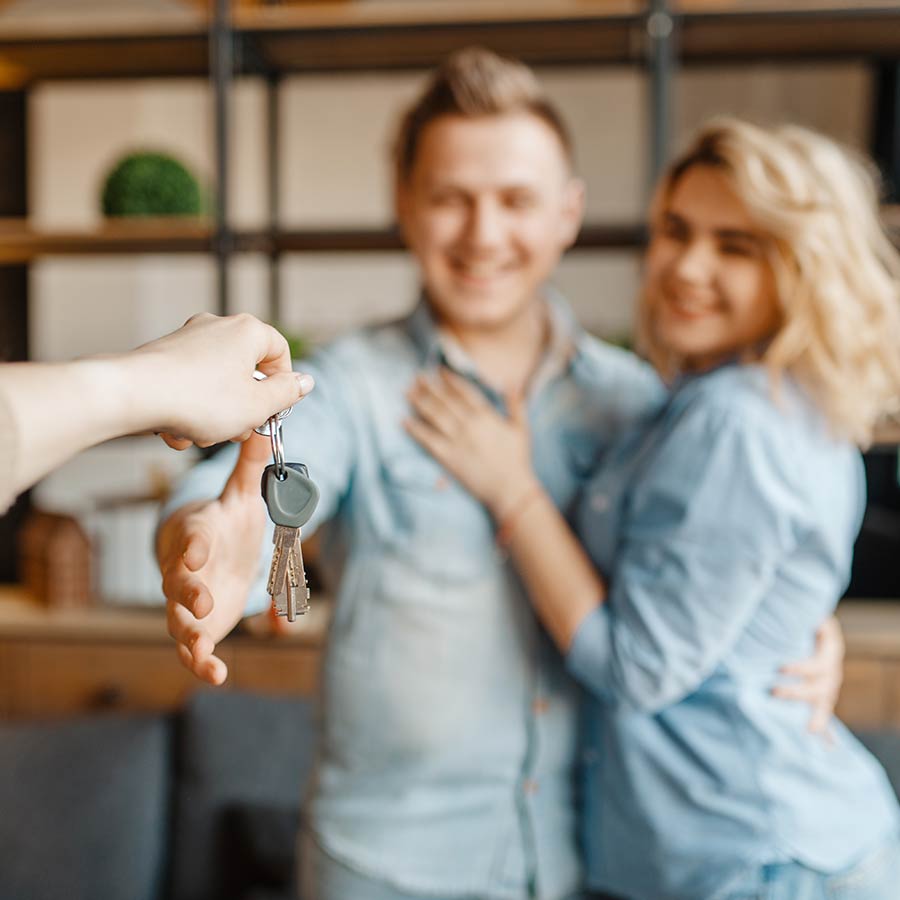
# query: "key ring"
[[277, 440], [266, 428]]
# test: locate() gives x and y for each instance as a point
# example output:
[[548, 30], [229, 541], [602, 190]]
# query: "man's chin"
[[479, 313]]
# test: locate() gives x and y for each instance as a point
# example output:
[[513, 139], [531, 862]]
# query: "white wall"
[[336, 131]]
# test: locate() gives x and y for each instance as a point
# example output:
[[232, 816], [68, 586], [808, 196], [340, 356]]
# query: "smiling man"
[[449, 725]]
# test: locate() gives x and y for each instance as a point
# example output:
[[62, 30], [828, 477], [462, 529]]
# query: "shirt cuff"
[[588, 659]]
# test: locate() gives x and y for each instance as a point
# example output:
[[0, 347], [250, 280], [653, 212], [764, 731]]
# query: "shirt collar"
[[436, 347]]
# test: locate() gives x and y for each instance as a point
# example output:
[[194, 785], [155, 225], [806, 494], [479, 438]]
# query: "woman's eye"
[[674, 231], [737, 249]]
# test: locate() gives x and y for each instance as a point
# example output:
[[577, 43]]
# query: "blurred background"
[[265, 127], [162, 157]]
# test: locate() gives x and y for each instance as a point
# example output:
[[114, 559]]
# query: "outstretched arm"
[[195, 384]]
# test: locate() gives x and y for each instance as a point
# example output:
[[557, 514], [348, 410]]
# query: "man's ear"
[[573, 210]]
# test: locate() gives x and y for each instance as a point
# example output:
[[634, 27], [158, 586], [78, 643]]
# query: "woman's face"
[[709, 288]]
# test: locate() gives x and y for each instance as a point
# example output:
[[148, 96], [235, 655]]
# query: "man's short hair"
[[475, 82]]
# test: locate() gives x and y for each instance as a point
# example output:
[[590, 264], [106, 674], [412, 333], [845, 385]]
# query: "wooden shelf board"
[[19, 243], [154, 56], [784, 7], [592, 236], [415, 46], [393, 13]]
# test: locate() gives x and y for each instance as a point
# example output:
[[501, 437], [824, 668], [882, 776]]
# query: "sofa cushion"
[[85, 805], [233, 750], [262, 850]]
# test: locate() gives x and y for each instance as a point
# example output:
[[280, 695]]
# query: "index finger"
[[807, 668], [274, 354]]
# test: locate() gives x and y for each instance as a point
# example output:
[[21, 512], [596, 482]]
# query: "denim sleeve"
[[319, 432], [707, 524]]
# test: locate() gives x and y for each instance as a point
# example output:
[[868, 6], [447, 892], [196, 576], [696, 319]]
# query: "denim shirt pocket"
[[438, 526], [583, 450]]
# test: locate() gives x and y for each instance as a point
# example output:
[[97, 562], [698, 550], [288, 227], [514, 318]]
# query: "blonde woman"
[[720, 533]]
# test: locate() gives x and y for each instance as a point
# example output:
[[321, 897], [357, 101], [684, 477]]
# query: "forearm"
[[59, 409], [562, 583]]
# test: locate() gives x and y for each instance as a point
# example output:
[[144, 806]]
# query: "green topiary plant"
[[299, 344], [151, 184]]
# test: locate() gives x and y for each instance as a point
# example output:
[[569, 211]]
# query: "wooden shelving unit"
[[276, 39]]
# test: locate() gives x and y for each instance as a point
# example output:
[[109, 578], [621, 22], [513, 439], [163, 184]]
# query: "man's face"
[[488, 209]]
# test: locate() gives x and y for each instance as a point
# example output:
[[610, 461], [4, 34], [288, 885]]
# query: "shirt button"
[[441, 483], [529, 786], [540, 706], [591, 757], [600, 502]]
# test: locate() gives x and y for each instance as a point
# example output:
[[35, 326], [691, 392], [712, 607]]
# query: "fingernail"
[[305, 382]]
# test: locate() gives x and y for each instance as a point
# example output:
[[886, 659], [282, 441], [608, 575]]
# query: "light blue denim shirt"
[[726, 529], [449, 733]]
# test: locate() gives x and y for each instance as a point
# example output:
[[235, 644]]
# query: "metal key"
[[291, 498], [290, 501], [298, 589]]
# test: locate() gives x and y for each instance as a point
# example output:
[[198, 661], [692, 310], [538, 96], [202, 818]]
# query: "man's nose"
[[485, 225]]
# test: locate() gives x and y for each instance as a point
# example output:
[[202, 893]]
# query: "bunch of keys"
[[291, 499]]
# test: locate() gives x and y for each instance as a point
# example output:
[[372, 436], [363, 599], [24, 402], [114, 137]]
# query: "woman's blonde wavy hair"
[[836, 272]]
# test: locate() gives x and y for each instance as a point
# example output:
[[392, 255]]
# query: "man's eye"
[[447, 198], [520, 200]]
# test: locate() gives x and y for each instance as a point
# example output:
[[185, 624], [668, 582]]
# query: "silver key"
[[298, 589], [290, 500], [283, 541]]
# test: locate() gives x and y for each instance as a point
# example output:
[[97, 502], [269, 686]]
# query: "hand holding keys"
[[291, 498]]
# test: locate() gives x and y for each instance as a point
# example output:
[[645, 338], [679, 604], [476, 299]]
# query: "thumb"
[[284, 389], [255, 455]]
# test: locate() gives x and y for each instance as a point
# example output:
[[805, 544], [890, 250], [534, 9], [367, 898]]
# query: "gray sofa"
[[199, 805], [196, 805]]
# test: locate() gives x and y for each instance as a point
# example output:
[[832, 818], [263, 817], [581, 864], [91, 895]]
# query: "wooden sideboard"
[[60, 662], [56, 662], [870, 697]]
